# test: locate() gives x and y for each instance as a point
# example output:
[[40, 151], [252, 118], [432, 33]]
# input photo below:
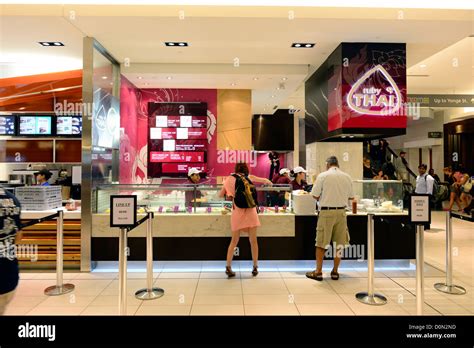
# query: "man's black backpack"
[[245, 192]]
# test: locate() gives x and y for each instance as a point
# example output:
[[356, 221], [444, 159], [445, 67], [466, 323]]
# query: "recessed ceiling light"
[[139, 77], [176, 44], [22, 108], [273, 96], [303, 45], [232, 84], [104, 77], [278, 88], [422, 65], [284, 78], [343, 136], [51, 43], [169, 77], [255, 78], [351, 136]]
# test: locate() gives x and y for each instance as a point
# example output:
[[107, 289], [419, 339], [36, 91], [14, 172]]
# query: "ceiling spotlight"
[[351, 136], [51, 43], [303, 45], [278, 88], [232, 84], [255, 78], [284, 78], [343, 136], [175, 44], [139, 77], [104, 77], [22, 108], [169, 77], [273, 96], [422, 65]]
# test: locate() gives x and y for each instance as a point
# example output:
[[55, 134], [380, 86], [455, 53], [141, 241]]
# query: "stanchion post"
[[59, 288], [149, 293], [420, 287], [123, 253], [449, 287], [370, 297]]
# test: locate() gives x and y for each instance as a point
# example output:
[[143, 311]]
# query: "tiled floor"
[[201, 288]]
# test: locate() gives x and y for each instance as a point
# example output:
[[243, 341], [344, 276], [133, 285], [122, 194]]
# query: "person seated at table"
[[298, 183], [42, 177]]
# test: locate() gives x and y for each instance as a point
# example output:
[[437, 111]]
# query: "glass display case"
[[379, 196], [187, 198]]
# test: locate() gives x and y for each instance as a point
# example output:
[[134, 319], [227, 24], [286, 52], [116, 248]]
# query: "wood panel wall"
[[42, 237], [234, 121]]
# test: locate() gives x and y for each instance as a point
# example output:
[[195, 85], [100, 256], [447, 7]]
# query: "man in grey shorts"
[[333, 189]]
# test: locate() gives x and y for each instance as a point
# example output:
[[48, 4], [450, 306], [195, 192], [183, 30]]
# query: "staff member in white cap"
[[333, 189], [194, 177], [299, 182]]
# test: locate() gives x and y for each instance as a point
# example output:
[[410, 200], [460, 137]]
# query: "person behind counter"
[[194, 178], [42, 177], [274, 158], [298, 182], [369, 172], [242, 219], [333, 189], [283, 178], [9, 233]]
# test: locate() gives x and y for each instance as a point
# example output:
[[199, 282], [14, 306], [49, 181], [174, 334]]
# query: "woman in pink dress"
[[242, 219]]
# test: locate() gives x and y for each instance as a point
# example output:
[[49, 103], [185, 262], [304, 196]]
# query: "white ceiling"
[[260, 39]]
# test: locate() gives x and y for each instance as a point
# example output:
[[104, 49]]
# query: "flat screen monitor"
[[69, 125], [35, 125], [7, 125], [273, 132]]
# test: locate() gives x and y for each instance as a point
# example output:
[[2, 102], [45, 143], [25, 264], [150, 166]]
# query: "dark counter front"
[[394, 240]]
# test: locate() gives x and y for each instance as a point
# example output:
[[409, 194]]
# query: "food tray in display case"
[[379, 196], [186, 198]]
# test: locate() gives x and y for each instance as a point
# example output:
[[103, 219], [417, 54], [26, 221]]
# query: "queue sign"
[[123, 211], [420, 211]]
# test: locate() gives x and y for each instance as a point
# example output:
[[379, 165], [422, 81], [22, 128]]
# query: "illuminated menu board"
[[181, 156], [7, 125], [35, 125], [177, 137]]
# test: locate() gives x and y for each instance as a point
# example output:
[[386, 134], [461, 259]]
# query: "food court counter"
[[282, 236]]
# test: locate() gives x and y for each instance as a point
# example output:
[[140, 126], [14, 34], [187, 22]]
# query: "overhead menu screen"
[[7, 125], [69, 125], [35, 125]]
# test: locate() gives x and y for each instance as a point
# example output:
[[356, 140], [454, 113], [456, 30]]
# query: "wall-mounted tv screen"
[[35, 125], [7, 125], [273, 132], [69, 125]]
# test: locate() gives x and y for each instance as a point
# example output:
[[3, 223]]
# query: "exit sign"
[[436, 135]]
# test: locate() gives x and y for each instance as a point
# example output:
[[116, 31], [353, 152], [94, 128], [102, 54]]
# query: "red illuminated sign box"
[[368, 89], [162, 157]]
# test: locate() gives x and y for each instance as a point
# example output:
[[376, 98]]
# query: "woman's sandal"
[[334, 275], [255, 271], [229, 272], [314, 275]]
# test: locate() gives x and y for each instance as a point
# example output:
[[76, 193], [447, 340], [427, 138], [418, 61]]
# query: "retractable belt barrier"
[[60, 288]]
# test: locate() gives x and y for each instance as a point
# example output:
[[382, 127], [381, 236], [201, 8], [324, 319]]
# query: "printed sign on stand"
[[420, 210], [123, 211]]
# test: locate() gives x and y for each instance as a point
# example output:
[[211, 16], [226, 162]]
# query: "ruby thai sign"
[[367, 87]]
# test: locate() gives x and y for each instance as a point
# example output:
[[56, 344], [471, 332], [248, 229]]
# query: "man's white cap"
[[192, 171], [297, 170], [284, 170]]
